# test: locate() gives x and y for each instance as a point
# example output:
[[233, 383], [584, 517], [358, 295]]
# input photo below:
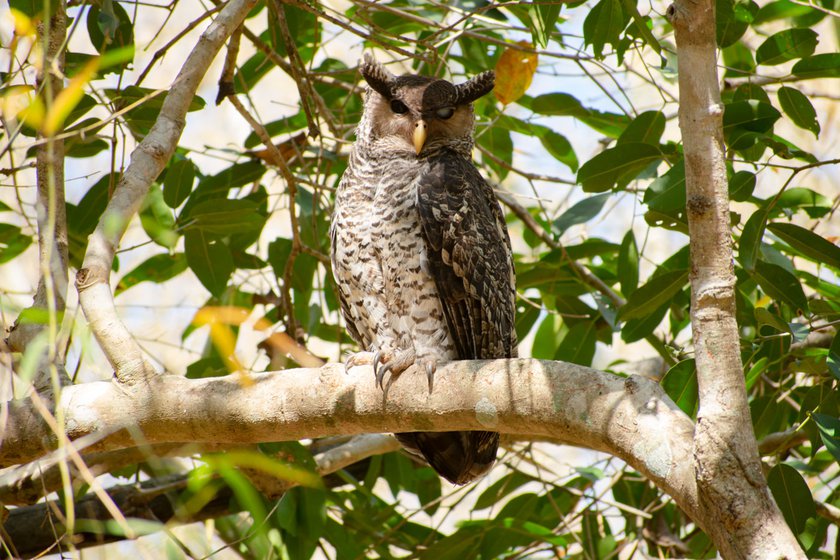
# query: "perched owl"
[[420, 251]]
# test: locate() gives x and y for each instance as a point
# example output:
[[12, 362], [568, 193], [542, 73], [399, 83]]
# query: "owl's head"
[[416, 114]]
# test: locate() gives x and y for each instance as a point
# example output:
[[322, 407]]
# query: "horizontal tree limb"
[[630, 417]]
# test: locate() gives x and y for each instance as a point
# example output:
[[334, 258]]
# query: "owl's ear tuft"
[[377, 76], [477, 87]]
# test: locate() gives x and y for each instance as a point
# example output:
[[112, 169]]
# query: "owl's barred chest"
[[380, 256]]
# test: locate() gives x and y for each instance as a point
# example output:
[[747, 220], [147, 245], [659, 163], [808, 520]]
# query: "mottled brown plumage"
[[420, 251]]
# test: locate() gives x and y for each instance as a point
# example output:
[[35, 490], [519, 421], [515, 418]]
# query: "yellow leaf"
[[68, 98], [514, 72], [23, 24]]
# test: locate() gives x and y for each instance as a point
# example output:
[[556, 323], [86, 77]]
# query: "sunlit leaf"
[[807, 242], [654, 293], [514, 71], [616, 166], [786, 45], [798, 107]]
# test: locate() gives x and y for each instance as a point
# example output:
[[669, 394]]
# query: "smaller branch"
[[828, 511], [147, 162], [780, 442], [277, 157]]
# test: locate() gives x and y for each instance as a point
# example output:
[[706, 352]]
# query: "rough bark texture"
[[731, 487], [631, 417]]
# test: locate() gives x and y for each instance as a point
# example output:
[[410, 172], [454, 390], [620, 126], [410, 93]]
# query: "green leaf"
[[225, 216], [818, 66], [565, 105], [32, 8], [559, 147], [732, 19], [12, 242], [792, 495], [628, 264], [747, 116], [110, 29], [656, 292], [209, 259], [616, 166], [578, 346], [741, 185], [178, 182], [829, 428], [799, 198], [780, 284], [680, 382], [603, 25], [833, 359], [581, 212], [501, 488], [647, 128], [750, 242], [497, 141], [798, 107], [157, 219], [808, 243], [786, 45], [666, 194], [157, 269]]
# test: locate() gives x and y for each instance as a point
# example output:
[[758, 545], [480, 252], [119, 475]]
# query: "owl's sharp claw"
[[380, 374]]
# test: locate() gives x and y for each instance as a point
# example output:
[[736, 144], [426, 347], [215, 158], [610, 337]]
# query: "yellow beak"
[[419, 136]]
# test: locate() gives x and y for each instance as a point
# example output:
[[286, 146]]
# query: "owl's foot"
[[358, 359]]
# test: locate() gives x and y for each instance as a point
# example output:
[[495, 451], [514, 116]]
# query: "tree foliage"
[[224, 266]]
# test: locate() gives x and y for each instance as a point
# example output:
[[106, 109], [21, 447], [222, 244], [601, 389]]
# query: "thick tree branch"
[[728, 469], [147, 161], [631, 417]]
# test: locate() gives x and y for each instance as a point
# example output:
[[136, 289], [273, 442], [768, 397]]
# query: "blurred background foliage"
[[581, 142]]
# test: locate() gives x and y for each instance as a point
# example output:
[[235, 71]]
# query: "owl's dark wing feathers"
[[469, 254]]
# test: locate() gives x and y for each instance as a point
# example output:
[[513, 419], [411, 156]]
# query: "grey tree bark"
[[732, 489]]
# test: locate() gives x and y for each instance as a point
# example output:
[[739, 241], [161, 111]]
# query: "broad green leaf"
[[497, 141], [798, 107], [780, 284], [780, 9], [616, 166], [680, 382], [110, 29], [656, 292], [225, 216], [637, 329], [603, 25], [157, 269], [219, 185], [157, 219], [750, 242], [792, 495], [813, 203], [742, 120], [818, 66], [738, 61], [501, 488], [786, 45], [646, 128], [829, 428], [559, 147], [833, 359], [565, 105], [578, 346], [748, 91], [209, 259], [667, 193], [178, 182], [808, 243], [580, 213], [628, 264], [12, 242], [755, 372], [741, 185], [33, 8], [732, 18], [544, 22]]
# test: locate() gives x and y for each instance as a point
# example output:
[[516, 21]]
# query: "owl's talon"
[[380, 374], [430, 375]]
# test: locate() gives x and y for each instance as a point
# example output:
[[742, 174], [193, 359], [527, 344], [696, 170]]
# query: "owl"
[[420, 252]]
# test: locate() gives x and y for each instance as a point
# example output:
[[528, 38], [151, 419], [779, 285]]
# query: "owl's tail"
[[459, 457]]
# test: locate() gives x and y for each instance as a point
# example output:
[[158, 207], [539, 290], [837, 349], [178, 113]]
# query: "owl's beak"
[[420, 131]]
